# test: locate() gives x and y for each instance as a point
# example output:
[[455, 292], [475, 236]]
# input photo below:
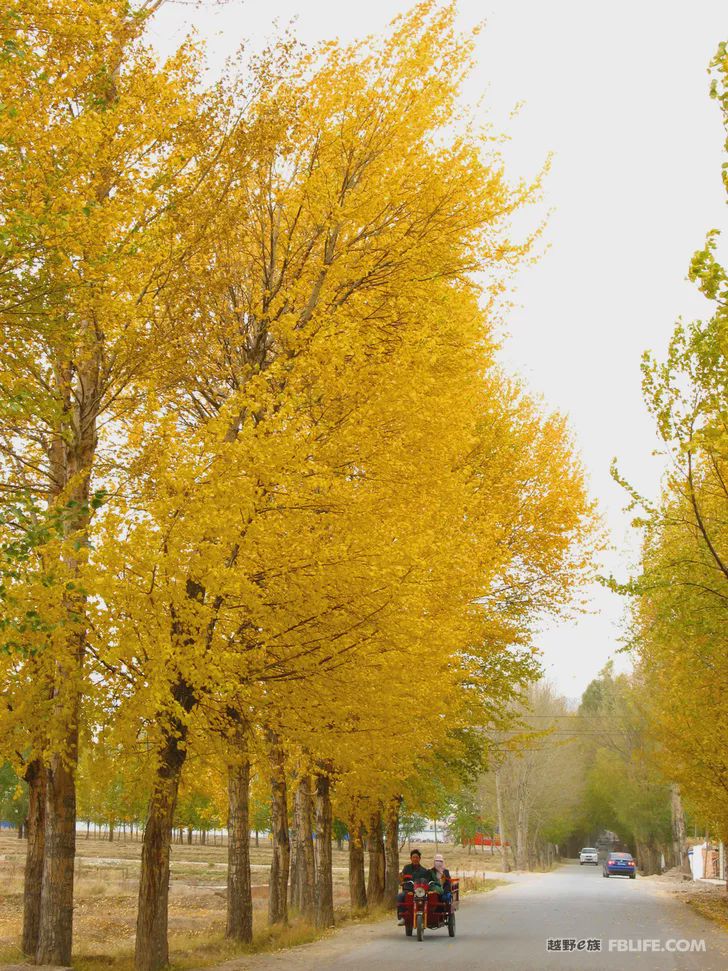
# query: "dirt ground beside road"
[[107, 875], [107, 880], [707, 899]]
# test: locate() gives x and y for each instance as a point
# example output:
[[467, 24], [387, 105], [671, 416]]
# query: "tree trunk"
[[521, 834], [152, 948], [278, 889], [294, 883], [375, 884], [35, 777], [304, 897], [56, 906], [505, 866], [647, 858], [239, 896], [679, 840], [357, 882], [391, 852], [324, 876], [71, 458]]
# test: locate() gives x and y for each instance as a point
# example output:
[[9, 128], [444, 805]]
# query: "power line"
[[571, 734], [615, 717]]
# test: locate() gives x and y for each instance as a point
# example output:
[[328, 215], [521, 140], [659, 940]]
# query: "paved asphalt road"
[[508, 929]]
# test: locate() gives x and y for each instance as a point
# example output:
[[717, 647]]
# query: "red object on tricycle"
[[423, 908]]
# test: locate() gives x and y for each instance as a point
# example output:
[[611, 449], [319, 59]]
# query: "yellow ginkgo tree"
[[104, 150], [253, 378]]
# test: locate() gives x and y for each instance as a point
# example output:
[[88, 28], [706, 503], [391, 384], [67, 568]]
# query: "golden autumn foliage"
[[251, 396]]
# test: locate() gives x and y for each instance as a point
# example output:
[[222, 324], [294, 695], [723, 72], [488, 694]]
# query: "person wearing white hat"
[[442, 875]]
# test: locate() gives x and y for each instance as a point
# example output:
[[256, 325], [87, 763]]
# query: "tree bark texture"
[[152, 948], [324, 914], [505, 866], [391, 853], [679, 839], [648, 856], [279, 871], [35, 777], [375, 884], [56, 904], [357, 882], [71, 458], [521, 832], [239, 890], [294, 882], [304, 880]]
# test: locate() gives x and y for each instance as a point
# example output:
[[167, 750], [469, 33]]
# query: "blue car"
[[619, 864]]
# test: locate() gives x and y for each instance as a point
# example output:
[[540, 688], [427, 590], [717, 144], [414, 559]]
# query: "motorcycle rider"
[[414, 869], [417, 873]]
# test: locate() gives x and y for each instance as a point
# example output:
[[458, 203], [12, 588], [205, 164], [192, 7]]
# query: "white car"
[[588, 855]]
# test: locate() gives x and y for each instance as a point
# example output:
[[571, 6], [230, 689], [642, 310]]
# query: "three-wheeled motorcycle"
[[423, 908]]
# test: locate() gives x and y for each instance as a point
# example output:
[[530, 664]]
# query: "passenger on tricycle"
[[423, 903]]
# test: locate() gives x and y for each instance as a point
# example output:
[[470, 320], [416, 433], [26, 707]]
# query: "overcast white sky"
[[619, 93]]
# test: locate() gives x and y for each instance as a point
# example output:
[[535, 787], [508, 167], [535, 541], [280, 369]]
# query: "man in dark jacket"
[[414, 869], [417, 873]]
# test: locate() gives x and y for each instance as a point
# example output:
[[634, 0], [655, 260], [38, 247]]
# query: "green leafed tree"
[[681, 593]]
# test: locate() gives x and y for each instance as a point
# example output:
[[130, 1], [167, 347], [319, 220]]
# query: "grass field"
[[107, 875]]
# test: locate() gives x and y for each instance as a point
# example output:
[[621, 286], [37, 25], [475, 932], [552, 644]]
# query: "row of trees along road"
[[535, 790], [563, 777], [679, 627], [646, 751], [624, 791], [268, 501]]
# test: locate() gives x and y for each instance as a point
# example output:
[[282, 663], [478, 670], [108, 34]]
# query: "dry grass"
[[189, 949], [106, 890], [714, 906], [479, 885]]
